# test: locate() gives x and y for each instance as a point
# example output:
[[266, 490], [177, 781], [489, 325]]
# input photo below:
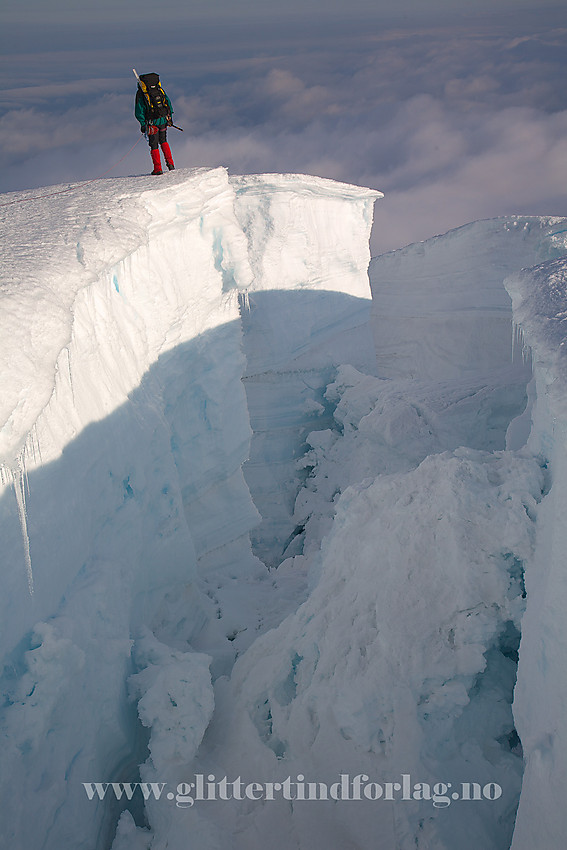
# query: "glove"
[[143, 128]]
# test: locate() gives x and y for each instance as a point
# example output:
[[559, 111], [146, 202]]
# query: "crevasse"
[[211, 390]]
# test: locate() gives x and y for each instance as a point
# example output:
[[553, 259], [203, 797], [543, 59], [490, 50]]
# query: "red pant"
[[158, 136]]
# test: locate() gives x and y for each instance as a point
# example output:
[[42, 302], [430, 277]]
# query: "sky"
[[455, 110]]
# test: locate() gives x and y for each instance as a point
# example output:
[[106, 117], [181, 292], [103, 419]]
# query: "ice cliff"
[[263, 519]]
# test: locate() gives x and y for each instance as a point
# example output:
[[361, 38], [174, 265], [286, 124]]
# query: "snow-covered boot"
[[156, 159], [167, 154]]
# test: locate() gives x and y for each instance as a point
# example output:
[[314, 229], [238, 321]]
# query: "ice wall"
[[124, 424], [539, 297]]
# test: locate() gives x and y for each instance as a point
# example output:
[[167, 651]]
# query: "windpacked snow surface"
[[262, 520]]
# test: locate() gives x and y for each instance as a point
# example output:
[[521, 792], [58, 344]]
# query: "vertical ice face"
[[306, 232], [308, 312], [123, 355], [440, 308], [539, 296]]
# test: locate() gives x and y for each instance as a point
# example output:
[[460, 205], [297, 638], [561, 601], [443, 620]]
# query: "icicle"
[[519, 343], [526, 349], [32, 448], [70, 375], [244, 300], [515, 339], [19, 482], [38, 444]]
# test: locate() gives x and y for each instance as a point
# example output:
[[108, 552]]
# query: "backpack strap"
[[144, 89]]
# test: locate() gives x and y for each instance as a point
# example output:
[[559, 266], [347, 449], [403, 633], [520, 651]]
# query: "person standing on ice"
[[153, 110]]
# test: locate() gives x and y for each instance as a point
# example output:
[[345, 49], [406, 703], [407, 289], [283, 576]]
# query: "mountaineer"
[[154, 112]]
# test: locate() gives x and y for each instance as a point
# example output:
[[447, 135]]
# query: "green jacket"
[[141, 111]]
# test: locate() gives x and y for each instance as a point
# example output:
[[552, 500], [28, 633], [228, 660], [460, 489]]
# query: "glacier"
[[271, 509]]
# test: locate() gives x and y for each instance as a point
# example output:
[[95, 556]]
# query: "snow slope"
[[256, 524]]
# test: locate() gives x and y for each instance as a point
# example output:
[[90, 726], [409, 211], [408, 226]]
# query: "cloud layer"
[[452, 123]]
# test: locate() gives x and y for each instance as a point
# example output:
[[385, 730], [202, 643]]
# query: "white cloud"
[[452, 124]]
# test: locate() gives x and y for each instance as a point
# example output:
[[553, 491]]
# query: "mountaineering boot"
[[156, 159], [167, 155]]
